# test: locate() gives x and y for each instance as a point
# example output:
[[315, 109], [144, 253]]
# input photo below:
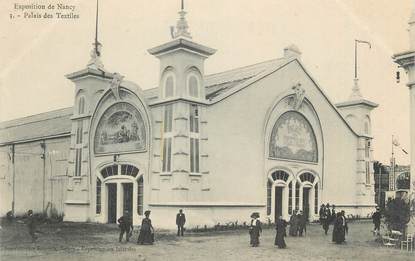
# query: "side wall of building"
[[39, 183]]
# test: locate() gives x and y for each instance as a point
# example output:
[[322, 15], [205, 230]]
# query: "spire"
[[95, 61], [356, 94], [181, 26]]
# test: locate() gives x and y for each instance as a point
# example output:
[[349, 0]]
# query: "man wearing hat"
[[125, 225], [180, 221], [376, 220]]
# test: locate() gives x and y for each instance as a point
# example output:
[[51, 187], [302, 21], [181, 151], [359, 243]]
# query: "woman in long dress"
[[146, 236], [255, 229], [338, 229], [281, 233]]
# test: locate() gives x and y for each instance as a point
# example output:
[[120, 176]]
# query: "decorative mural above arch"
[[120, 129], [293, 138]]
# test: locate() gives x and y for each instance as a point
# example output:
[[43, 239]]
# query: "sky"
[[37, 53]]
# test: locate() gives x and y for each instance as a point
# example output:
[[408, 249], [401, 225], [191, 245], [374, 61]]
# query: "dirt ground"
[[75, 241]]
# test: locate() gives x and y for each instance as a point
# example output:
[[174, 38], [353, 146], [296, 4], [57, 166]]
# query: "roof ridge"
[[3, 125], [243, 67]]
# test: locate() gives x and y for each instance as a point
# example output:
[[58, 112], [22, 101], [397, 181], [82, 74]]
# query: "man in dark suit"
[[180, 221], [125, 225]]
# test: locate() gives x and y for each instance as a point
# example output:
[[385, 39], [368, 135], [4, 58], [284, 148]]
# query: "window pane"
[[134, 172], [297, 195], [290, 198], [192, 155], [79, 131], [78, 157], [193, 87], [81, 105], [196, 155], [316, 199], [169, 86], [168, 118], [269, 188], [140, 196], [164, 156], [169, 154], [98, 198]]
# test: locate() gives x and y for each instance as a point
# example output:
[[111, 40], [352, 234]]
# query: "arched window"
[[129, 170], [140, 196], [307, 177], [293, 138], [280, 175], [193, 86], [169, 86], [81, 105], [109, 171]]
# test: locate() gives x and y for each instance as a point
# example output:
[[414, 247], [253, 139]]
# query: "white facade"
[[260, 138]]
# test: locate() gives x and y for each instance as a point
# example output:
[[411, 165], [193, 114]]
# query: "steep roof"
[[57, 122]]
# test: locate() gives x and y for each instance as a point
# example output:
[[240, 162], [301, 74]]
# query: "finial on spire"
[[181, 26], [95, 61]]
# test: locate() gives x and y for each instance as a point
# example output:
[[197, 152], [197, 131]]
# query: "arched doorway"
[[307, 191], [119, 188], [277, 194]]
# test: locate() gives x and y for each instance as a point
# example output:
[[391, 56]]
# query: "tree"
[[397, 214]]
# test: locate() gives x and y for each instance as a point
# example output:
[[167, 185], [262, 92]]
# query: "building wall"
[[236, 143], [39, 184]]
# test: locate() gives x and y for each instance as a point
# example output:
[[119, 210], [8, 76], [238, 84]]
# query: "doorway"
[[112, 202], [306, 202], [278, 202], [128, 197]]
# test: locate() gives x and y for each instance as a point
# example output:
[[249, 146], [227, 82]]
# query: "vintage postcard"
[[207, 130]]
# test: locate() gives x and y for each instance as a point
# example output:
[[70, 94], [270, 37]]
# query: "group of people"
[[146, 235], [327, 216], [297, 224]]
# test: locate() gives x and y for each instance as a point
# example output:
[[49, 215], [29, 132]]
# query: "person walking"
[[302, 223], [338, 229], [126, 226], [376, 217], [280, 226], [333, 213], [293, 224], [255, 229], [325, 220], [345, 229], [146, 236], [31, 225], [180, 221], [321, 213]]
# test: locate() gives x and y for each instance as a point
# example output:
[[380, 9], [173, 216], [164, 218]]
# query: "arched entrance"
[[308, 194], [277, 194], [119, 188]]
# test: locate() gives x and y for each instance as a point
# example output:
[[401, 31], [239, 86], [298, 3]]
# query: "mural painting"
[[120, 129], [293, 138]]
